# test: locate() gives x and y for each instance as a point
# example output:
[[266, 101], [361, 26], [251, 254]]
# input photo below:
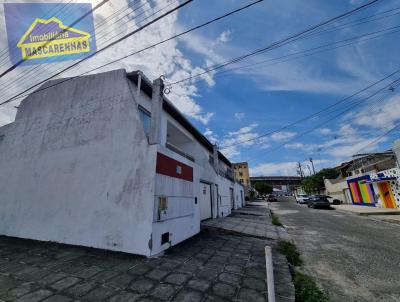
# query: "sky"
[[265, 93]]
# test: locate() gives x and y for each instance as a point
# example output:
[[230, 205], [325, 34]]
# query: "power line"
[[378, 138], [333, 118], [315, 113], [318, 49], [278, 43], [102, 49], [136, 52]]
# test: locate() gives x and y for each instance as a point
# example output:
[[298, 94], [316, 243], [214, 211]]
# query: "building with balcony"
[[101, 161]]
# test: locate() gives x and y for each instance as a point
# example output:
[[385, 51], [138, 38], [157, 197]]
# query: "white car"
[[302, 198]]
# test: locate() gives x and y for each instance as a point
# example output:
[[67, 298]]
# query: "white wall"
[[72, 167]]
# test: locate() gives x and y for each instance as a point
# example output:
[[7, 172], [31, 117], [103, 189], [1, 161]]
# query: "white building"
[[93, 161]]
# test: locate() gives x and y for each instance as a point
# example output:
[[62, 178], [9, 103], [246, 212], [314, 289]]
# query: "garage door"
[[205, 201]]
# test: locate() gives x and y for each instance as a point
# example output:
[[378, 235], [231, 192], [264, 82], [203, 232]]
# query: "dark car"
[[272, 198], [318, 201]]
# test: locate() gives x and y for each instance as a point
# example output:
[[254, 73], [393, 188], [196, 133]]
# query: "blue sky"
[[249, 102], [242, 104]]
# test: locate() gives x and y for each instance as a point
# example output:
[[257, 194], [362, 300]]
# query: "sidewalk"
[[366, 210], [254, 221]]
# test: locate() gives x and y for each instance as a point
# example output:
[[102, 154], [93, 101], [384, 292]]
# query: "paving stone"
[[163, 291], [58, 298], [169, 265], [212, 298], [188, 296], [64, 283], [257, 272], [125, 297], [254, 283], [81, 289], [20, 290], [104, 276], [233, 279], [142, 285], [203, 256], [157, 274], [35, 296], [122, 280], [246, 294], [140, 269], [89, 272], [51, 278], [7, 282], [177, 279], [199, 284], [99, 293], [224, 290], [234, 268]]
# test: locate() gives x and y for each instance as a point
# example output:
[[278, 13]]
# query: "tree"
[[315, 183], [262, 188]]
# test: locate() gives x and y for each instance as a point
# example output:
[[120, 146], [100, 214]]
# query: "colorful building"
[[378, 189]]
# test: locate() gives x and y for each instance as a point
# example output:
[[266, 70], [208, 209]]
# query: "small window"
[[1, 137], [145, 116]]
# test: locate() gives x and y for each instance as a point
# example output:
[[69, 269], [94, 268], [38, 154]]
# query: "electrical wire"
[[139, 51], [308, 117]]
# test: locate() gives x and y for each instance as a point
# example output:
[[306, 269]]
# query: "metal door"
[[205, 201]]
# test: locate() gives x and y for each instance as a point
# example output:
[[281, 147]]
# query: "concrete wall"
[[336, 189], [72, 167]]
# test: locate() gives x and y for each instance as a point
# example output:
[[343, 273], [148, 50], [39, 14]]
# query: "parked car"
[[318, 201], [272, 198], [302, 198], [332, 200]]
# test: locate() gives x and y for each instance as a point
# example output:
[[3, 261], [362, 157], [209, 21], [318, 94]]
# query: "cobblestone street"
[[205, 268]]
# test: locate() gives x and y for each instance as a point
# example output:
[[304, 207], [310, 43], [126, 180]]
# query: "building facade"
[[102, 161], [242, 174]]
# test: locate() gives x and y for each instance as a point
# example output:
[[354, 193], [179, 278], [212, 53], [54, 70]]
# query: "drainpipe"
[[156, 112]]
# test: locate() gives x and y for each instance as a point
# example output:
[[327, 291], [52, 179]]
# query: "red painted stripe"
[[171, 167]]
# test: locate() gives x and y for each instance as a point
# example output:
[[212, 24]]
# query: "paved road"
[[354, 258]]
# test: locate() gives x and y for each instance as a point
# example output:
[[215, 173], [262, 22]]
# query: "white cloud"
[[165, 59], [282, 136], [239, 116], [225, 36], [386, 115], [211, 136], [232, 142], [283, 168], [325, 131]]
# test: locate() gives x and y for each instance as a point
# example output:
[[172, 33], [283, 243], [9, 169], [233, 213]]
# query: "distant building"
[[369, 179], [242, 174], [290, 183]]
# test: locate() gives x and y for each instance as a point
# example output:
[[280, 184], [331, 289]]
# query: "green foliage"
[[307, 290], [315, 182], [275, 220], [290, 251], [262, 188]]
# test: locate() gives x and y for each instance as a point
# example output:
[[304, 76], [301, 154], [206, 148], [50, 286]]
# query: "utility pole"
[[300, 170], [309, 169], [312, 164], [156, 111]]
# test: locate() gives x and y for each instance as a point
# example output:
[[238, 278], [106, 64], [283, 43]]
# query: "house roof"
[[147, 88]]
